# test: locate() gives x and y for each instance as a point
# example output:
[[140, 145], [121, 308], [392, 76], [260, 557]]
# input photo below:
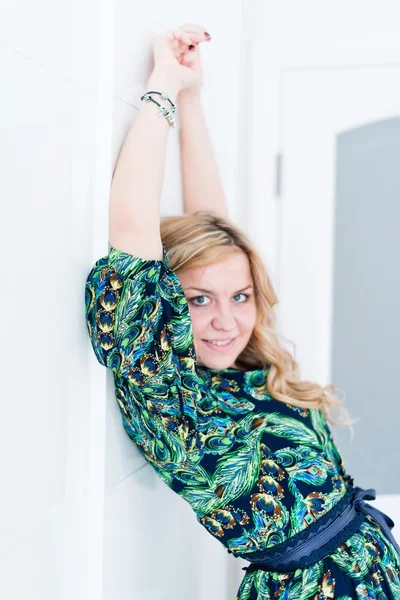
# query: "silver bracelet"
[[162, 110]]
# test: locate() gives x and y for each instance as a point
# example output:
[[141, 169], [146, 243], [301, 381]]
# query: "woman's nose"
[[224, 319]]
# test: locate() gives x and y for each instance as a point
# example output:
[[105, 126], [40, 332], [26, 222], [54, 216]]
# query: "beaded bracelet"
[[162, 110]]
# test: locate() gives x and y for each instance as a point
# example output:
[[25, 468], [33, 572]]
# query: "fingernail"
[[208, 36]]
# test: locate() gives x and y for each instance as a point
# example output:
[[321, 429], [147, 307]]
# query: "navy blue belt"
[[324, 536]]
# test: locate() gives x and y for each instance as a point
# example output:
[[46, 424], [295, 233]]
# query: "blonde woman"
[[181, 311]]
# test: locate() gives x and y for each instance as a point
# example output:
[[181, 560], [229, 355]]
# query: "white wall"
[[76, 497], [325, 69], [78, 503], [47, 97]]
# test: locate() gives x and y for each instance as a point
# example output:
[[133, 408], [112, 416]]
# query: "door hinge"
[[278, 175]]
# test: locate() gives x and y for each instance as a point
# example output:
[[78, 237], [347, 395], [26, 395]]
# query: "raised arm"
[[137, 315], [134, 209], [201, 182]]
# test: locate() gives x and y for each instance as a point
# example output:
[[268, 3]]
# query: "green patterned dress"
[[255, 470]]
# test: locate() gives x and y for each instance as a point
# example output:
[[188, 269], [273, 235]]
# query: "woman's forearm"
[[201, 182], [134, 208]]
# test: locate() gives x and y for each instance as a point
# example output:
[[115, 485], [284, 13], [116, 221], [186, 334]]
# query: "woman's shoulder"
[[127, 264]]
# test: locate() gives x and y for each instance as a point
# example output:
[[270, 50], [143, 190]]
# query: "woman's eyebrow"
[[210, 291]]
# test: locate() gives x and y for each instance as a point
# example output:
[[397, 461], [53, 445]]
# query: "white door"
[[319, 105], [324, 105]]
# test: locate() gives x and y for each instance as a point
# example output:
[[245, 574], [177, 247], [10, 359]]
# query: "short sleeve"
[[139, 326]]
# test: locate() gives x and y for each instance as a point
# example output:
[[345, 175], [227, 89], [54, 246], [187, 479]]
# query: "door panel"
[[337, 262]]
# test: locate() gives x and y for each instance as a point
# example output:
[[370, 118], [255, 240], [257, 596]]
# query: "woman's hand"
[[172, 53]]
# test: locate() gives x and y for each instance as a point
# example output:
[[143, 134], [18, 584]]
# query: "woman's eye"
[[202, 303], [247, 296], [196, 298]]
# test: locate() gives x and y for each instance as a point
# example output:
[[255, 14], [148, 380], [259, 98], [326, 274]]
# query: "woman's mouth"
[[220, 345]]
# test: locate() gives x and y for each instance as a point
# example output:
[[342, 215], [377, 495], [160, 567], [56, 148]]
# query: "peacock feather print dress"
[[256, 471]]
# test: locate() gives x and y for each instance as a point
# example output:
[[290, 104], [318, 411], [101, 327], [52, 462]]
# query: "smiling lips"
[[220, 344]]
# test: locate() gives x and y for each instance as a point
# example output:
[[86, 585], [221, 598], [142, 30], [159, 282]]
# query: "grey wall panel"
[[366, 311]]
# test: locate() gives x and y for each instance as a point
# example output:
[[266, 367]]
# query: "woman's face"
[[222, 308]]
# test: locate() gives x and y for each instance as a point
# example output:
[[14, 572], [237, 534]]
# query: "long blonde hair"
[[203, 238]]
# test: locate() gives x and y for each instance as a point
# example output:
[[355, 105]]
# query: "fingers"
[[193, 28], [181, 43], [188, 57], [185, 39], [183, 36], [189, 34], [178, 42]]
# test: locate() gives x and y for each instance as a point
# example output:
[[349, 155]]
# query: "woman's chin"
[[217, 364]]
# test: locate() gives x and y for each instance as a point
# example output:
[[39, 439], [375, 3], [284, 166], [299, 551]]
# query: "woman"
[[205, 389]]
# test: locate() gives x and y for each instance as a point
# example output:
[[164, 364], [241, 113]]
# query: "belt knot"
[[360, 495]]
